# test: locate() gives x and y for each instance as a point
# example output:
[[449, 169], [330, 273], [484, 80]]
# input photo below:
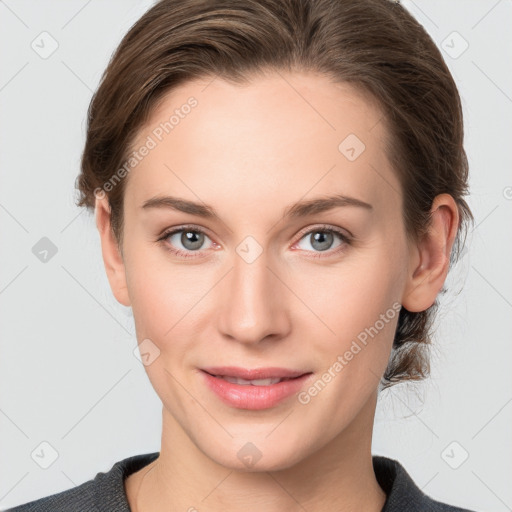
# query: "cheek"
[[155, 291], [167, 299], [334, 302], [351, 296], [357, 308]]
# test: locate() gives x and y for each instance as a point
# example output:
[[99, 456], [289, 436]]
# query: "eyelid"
[[192, 227], [180, 252], [325, 227], [346, 238]]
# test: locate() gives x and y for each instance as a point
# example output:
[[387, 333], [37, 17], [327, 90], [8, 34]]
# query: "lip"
[[254, 397], [254, 373]]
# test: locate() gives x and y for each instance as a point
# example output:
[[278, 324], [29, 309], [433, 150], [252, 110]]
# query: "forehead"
[[286, 134]]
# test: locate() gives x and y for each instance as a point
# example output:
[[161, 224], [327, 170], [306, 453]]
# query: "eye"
[[321, 239], [190, 238]]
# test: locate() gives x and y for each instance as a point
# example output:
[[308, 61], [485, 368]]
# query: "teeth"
[[255, 382]]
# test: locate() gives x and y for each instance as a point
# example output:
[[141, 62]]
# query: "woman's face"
[[259, 280]]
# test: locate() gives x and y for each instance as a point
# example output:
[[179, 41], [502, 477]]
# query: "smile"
[[254, 389]]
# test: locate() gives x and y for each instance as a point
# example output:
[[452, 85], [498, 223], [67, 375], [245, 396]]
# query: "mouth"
[[253, 382], [259, 388], [255, 376]]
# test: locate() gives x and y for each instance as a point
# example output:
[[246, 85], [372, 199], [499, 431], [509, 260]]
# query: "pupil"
[[187, 239], [321, 237]]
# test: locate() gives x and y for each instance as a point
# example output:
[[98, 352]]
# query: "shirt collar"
[[401, 491]]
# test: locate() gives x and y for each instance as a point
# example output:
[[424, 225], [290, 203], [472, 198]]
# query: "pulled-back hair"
[[375, 45]]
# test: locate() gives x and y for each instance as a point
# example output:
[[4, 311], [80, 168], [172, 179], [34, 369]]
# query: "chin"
[[257, 452]]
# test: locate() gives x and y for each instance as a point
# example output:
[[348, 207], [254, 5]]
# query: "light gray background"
[[68, 375]]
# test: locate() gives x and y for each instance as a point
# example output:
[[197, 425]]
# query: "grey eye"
[[190, 239], [320, 239]]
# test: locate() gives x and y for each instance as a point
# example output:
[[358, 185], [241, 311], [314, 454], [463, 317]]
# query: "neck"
[[338, 477]]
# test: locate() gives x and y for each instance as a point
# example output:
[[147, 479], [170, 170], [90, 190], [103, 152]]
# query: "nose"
[[253, 305]]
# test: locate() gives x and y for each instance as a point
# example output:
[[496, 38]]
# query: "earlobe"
[[112, 258], [430, 258]]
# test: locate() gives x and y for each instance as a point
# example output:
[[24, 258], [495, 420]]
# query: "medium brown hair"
[[375, 45]]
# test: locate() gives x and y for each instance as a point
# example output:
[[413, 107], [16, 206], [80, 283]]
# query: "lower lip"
[[254, 397]]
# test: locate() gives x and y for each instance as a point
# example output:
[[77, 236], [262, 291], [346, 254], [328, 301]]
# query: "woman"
[[279, 191]]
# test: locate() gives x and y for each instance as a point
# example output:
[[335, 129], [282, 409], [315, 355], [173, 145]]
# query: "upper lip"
[[253, 373]]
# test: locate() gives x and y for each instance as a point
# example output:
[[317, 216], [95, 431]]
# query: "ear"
[[112, 258], [430, 259]]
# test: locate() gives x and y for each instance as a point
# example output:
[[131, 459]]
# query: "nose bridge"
[[252, 301]]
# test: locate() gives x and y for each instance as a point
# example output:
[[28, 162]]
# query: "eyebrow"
[[296, 210]]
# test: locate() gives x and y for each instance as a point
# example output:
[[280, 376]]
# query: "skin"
[[249, 152]]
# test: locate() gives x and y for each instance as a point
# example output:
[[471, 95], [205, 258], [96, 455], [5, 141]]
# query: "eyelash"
[[346, 240]]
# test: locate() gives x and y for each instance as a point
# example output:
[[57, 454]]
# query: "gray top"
[[105, 492]]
